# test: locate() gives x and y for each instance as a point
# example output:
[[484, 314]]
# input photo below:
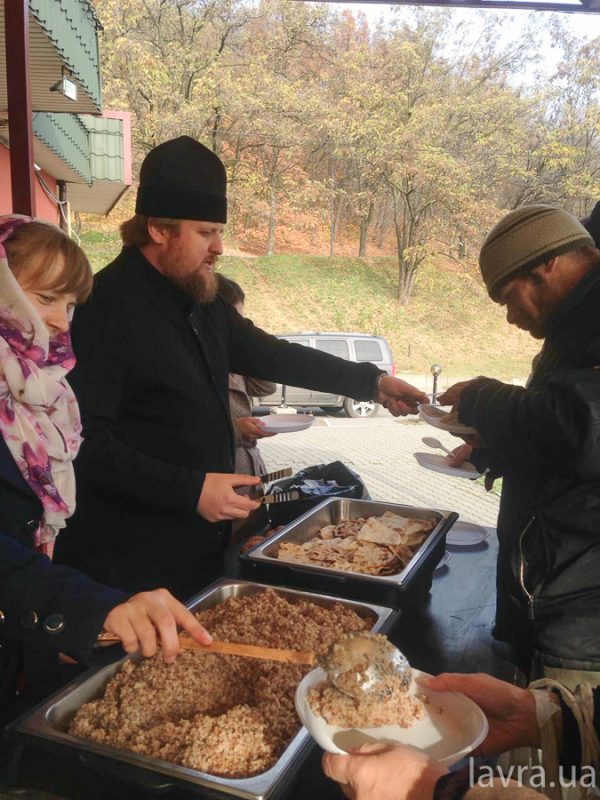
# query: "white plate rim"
[[295, 422], [443, 561], [452, 758], [444, 469], [469, 527], [438, 422]]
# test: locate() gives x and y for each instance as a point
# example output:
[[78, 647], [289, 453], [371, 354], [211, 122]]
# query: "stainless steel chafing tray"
[[399, 590], [47, 725]]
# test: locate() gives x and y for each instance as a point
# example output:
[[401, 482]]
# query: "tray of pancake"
[[363, 549], [221, 726]]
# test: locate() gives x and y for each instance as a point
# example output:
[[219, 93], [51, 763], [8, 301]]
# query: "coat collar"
[[168, 297], [576, 297], [174, 304]]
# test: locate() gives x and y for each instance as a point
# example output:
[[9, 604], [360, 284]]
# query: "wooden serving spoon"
[[233, 649]]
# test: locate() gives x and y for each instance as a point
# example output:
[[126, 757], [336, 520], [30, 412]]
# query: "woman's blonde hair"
[[32, 252], [134, 231]]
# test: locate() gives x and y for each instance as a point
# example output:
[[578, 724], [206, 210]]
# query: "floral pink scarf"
[[39, 417]]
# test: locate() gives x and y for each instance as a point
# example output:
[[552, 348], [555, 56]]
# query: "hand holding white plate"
[[439, 463], [453, 725], [286, 423], [439, 417]]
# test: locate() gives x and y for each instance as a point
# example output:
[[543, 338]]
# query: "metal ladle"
[[360, 665]]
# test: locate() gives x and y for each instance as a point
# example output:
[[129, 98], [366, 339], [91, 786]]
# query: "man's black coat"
[[545, 441], [152, 384]]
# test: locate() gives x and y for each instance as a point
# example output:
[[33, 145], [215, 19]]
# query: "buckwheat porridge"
[[224, 715]]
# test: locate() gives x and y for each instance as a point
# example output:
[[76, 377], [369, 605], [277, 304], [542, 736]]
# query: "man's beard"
[[201, 287]]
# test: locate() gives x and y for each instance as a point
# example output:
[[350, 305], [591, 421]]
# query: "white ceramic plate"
[[453, 725], [435, 415], [440, 464], [466, 534], [443, 561], [286, 423]]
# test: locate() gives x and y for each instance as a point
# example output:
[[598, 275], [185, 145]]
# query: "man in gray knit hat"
[[541, 264]]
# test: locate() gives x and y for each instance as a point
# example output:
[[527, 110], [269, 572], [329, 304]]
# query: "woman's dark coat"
[[44, 608]]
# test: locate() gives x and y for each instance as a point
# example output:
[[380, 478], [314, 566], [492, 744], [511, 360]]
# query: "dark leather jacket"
[[545, 442]]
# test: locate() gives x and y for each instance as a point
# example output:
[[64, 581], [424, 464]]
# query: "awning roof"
[[63, 40]]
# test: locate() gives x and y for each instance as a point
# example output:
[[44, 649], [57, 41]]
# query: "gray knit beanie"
[[526, 238]]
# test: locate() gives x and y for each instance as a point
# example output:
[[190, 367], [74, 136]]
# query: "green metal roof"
[[106, 147], [68, 138], [72, 26]]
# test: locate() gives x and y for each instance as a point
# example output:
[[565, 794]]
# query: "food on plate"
[[451, 418], [224, 715], [375, 546], [392, 704]]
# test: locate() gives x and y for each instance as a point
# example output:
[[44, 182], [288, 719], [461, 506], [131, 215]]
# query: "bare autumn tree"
[[320, 119]]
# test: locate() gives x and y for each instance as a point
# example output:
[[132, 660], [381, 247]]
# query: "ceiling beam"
[[18, 88], [587, 7]]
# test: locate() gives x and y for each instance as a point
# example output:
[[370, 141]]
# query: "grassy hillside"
[[450, 319]]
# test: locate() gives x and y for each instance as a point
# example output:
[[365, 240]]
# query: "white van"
[[351, 346]]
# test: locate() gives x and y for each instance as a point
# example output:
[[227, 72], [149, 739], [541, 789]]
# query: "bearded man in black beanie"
[[155, 346]]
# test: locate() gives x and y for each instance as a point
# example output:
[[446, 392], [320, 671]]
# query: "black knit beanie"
[[183, 179]]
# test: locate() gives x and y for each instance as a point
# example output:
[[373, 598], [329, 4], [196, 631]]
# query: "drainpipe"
[[64, 210]]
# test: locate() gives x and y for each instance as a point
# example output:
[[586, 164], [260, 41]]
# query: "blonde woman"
[[48, 609]]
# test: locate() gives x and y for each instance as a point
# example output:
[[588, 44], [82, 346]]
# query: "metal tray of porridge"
[[46, 726], [400, 590]]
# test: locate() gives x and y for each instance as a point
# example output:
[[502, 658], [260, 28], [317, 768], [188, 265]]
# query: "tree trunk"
[[272, 222], [406, 283], [401, 236], [364, 229], [383, 225], [336, 214]]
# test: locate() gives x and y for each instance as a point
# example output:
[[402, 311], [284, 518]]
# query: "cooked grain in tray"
[[224, 715]]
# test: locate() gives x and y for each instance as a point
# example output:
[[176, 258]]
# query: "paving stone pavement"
[[382, 451]]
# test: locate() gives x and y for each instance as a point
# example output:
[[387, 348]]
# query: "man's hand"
[[451, 397], [510, 711], [219, 501], [384, 772], [459, 455], [251, 428], [149, 616], [398, 397]]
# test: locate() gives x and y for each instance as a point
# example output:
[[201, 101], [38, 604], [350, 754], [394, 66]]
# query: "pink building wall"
[[45, 208]]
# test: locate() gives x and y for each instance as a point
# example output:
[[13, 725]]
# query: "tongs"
[[269, 477], [275, 497], [233, 649]]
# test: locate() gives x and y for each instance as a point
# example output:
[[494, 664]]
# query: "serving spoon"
[[431, 441], [233, 649], [361, 664]]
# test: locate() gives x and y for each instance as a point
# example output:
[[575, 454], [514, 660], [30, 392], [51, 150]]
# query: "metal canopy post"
[[18, 90]]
